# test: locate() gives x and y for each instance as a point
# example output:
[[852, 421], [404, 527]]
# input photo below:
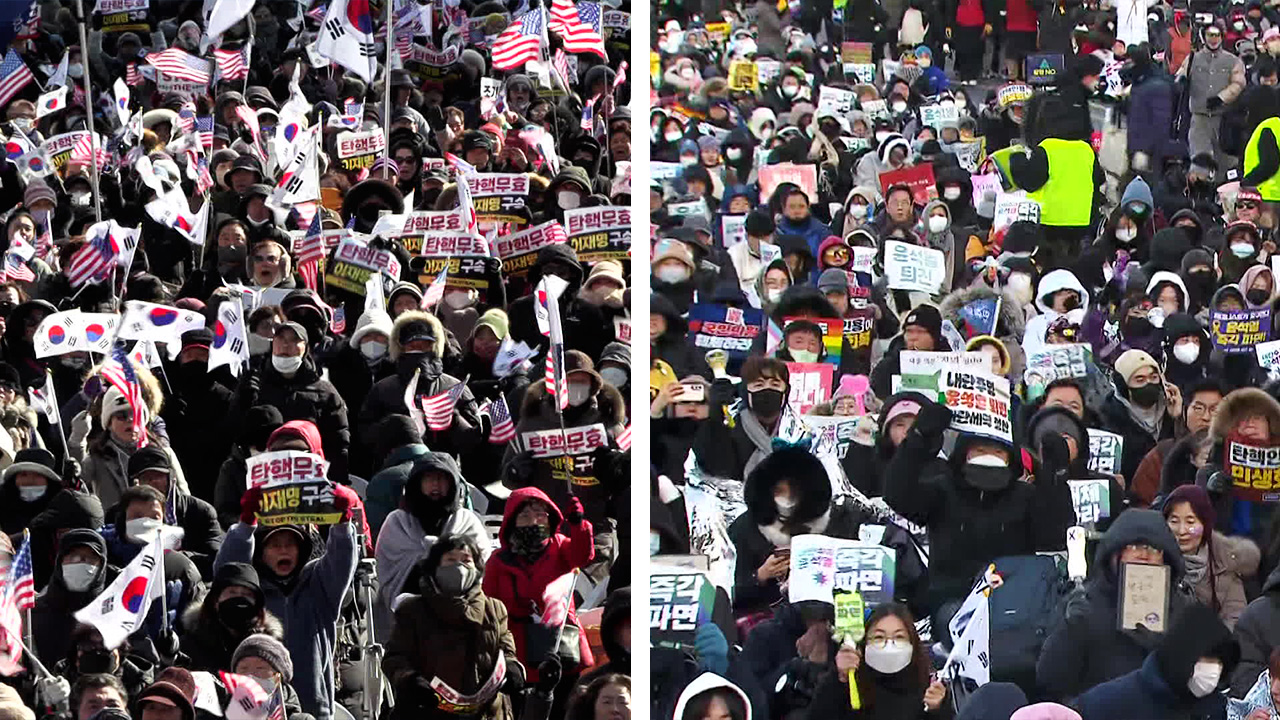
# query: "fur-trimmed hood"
[[1240, 404], [270, 624], [1010, 328], [416, 315], [809, 485]]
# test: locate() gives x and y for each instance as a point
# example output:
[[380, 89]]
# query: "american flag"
[[275, 706], [555, 375], [44, 243], [119, 372], [578, 26], [20, 586], [204, 129], [503, 429], [306, 212], [131, 74], [16, 269], [404, 45], [561, 65], [82, 153], [28, 27], [232, 64], [622, 75], [318, 13], [310, 251], [520, 42], [94, 261], [438, 409], [556, 599], [204, 180], [187, 117], [179, 64], [14, 75], [435, 293], [339, 322], [588, 114]]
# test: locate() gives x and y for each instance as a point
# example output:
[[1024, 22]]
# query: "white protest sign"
[[864, 259], [836, 100], [913, 267], [979, 403], [285, 467], [572, 441], [1268, 354], [733, 230], [939, 116], [914, 362], [821, 565]]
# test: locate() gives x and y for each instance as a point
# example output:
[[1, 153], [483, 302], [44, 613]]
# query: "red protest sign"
[[918, 177], [806, 176]]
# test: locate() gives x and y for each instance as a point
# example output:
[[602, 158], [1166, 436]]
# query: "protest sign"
[[519, 252], [284, 467], [856, 52], [979, 401], [914, 267], [306, 503], [768, 69], [1011, 208], [665, 170], [980, 316], [859, 327], [919, 178], [989, 182], [713, 326], [685, 209], [1045, 68], [810, 385], [876, 109], [969, 154], [939, 116], [863, 260], [1014, 92], [913, 362], [1239, 330], [771, 176], [864, 73], [465, 271], [744, 76], [833, 434], [679, 601], [353, 263], [1091, 499], [1053, 363], [499, 197], [599, 233], [123, 15], [1268, 354], [822, 565], [733, 230], [418, 223], [622, 329], [573, 441], [358, 151], [1105, 450], [835, 99], [1254, 471], [58, 147]]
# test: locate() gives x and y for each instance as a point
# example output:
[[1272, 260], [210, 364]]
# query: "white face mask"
[[286, 365], [790, 90], [951, 193], [142, 530], [766, 133], [1186, 352], [76, 71], [804, 356], [373, 350], [673, 136], [78, 576], [937, 224], [1125, 235], [1204, 678], [775, 295], [786, 505], [994, 461], [1242, 250], [579, 393], [32, 493], [733, 153], [457, 299], [890, 659], [688, 160], [568, 199], [899, 107], [687, 73], [1019, 287], [672, 273]]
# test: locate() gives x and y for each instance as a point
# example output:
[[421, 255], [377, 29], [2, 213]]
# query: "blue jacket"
[[1144, 694], [386, 487], [812, 230], [308, 608], [936, 79], [1151, 104]]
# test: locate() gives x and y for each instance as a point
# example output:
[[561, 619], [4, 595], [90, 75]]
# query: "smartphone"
[[692, 392]]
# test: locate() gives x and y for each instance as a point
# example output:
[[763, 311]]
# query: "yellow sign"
[[743, 75], [718, 31], [655, 68]]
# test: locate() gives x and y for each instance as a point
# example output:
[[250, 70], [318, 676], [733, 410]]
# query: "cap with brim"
[[905, 407], [166, 693], [24, 465], [296, 328]]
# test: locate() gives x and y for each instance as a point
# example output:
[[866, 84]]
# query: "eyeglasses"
[[266, 258], [1247, 205], [1202, 409]]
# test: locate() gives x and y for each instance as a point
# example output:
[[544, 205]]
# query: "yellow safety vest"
[[1269, 188], [1066, 200]]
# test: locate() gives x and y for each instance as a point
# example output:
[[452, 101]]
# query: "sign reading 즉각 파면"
[[679, 602], [1239, 331], [599, 233], [1254, 470], [1105, 450], [822, 565]]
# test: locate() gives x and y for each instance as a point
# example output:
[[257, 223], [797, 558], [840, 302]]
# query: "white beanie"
[[371, 321], [113, 402]]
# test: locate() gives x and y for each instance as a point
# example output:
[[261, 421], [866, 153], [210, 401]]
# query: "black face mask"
[[767, 402], [430, 366], [1071, 303], [530, 539], [237, 612], [1257, 296], [1147, 395], [987, 479], [831, 131], [1138, 327], [193, 372], [97, 660]]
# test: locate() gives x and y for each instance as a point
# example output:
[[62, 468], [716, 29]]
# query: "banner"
[[914, 362], [419, 223], [358, 151], [304, 503], [743, 76], [444, 244], [499, 197], [859, 330], [58, 148], [1238, 331], [917, 177], [733, 230], [719, 327], [573, 441], [979, 403], [810, 385], [913, 267], [1254, 471], [771, 176], [284, 467], [519, 252], [1046, 68], [1268, 354], [679, 602], [1105, 449], [353, 263], [1053, 363], [1011, 208], [465, 271], [939, 116], [599, 233], [1091, 499], [822, 565], [836, 100]]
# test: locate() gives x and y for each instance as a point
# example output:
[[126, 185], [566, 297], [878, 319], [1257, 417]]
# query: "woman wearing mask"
[[1258, 285], [772, 283], [26, 488], [266, 660], [673, 269], [1217, 565], [891, 668], [1167, 291], [1058, 293], [1239, 252], [452, 631], [262, 328], [233, 610], [859, 210], [88, 656], [225, 263], [1186, 349]]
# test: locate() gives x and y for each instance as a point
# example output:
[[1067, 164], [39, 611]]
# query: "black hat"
[[257, 190], [33, 460], [150, 457], [927, 317], [247, 162], [9, 377], [236, 574], [258, 424], [200, 337], [576, 361], [759, 224], [473, 139], [416, 330], [400, 78]]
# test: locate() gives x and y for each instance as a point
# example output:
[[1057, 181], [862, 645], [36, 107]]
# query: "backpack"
[[1022, 615]]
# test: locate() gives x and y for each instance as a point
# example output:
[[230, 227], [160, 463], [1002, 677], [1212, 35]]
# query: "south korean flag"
[[346, 37], [300, 181]]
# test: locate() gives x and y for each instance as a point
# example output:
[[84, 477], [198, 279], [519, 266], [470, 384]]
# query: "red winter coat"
[[519, 584]]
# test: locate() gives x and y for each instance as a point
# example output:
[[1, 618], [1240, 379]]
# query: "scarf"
[[1197, 564], [1149, 419], [759, 436]]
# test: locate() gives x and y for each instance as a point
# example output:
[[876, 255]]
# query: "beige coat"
[[1234, 559]]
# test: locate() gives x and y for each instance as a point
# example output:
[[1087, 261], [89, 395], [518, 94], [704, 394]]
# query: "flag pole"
[[386, 87], [88, 107]]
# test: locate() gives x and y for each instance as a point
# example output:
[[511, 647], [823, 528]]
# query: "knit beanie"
[[269, 650], [1133, 360]]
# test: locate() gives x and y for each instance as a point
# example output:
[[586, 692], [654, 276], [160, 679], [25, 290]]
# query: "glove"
[[521, 468], [513, 683], [435, 118], [342, 503], [249, 506], [415, 691], [1055, 456], [1213, 103], [574, 512], [252, 386], [1217, 483], [603, 460], [54, 691], [166, 644], [548, 675], [933, 419], [712, 648], [1077, 606]]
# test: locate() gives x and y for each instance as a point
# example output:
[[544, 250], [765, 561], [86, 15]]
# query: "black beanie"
[[759, 224], [927, 317], [237, 574], [259, 422]]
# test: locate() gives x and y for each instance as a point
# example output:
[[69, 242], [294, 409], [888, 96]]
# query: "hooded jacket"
[[1236, 517], [581, 321], [519, 582], [403, 541], [1010, 326], [707, 682], [1080, 655], [1057, 280], [56, 603]]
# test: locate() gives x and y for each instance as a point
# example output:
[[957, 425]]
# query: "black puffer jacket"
[[582, 322], [50, 618], [673, 347]]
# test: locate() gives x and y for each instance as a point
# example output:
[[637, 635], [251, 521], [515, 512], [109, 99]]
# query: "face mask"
[[530, 539], [78, 576], [688, 160], [937, 224], [831, 131], [890, 659], [237, 612], [1238, 25], [1138, 327], [899, 107], [673, 136], [790, 90], [951, 193], [687, 73], [1242, 250], [76, 71], [1186, 352], [286, 365], [766, 133], [232, 255], [985, 477], [775, 294], [733, 153], [1019, 287], [32, 493], [579, 393], [672, 274], [142, 530], [616, 377], [804, 356], [1125, 235], [455, 579], [80, 199], [97, 660], [924, 62], [858, 211], [259, 345], [1257, 296], [568, 199], [373, 350], [258, 223], [766, 402], [22, 123], [881, 135], [1147, 395], [655, 543], [1071, 303], [457, 299], [1204, 678]]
